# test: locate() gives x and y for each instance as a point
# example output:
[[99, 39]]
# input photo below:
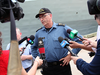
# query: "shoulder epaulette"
[[60, 24], [39, 29]]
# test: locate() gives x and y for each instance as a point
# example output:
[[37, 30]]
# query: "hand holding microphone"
[[88, 43], [42, 51], [65, 44], [72, 44], [39, 61], [91, 44], [29, 41]]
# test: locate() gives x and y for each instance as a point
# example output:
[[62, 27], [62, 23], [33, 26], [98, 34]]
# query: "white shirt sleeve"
[[94, 49]]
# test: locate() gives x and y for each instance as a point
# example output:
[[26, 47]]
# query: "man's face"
[[45, 19], [18, 34]]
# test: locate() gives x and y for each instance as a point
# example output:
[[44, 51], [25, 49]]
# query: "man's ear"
[[51, 15]]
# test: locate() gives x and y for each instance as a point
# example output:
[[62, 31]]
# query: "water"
[[74, 13]]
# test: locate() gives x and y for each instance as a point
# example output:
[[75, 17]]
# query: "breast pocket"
[[56, 43]]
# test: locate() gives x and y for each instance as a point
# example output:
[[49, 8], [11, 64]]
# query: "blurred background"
[[73, 13]]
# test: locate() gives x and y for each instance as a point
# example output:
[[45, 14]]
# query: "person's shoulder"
[[61, 24], [39, 29]]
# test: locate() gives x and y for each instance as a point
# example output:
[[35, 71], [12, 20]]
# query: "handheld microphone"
[[42, 51], [65, 44], [29, 41], [22, 40], [67, 40], [73, 34]]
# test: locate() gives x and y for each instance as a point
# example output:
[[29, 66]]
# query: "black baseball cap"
[[43, 11]]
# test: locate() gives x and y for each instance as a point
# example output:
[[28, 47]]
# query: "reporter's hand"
[[20, 49], [73, 44], [89, 43], [40, 61], [75, 59]]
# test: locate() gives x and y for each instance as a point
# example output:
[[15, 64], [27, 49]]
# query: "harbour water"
[[73, 13]]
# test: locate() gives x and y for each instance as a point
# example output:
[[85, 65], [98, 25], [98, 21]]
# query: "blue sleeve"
[[92, 68], [34, 48], [83, 66]]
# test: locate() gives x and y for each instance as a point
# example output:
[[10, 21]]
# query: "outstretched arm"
[[89, 43], [78, 45]]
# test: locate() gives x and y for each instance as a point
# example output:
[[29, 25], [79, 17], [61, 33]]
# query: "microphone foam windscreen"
[[60, 39], [69, 30], [32, 37], [63, 42]]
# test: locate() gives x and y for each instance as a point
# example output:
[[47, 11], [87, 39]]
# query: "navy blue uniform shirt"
[[53, 49]]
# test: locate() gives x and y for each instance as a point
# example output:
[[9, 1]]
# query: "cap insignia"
[[41, 10]]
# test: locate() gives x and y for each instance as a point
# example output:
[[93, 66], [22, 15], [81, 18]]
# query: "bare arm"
[[77, 45], [24, 57], [32, 71]]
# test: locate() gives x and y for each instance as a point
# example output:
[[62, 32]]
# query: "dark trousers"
[[56, 69]]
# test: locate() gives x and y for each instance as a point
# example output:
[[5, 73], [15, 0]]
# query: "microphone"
[[67, 40], [29, 41], [65, 44], [73, 34], [42, 51], [22, 40]]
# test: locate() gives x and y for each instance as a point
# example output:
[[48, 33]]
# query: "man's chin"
[[44, 24]]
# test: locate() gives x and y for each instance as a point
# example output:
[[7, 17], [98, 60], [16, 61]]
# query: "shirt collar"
[[54, 25]]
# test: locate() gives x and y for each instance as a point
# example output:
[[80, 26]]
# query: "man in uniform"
[[54, 53]]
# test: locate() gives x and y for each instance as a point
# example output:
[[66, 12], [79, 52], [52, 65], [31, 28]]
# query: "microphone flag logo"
[[41, 43], [63, 43]]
